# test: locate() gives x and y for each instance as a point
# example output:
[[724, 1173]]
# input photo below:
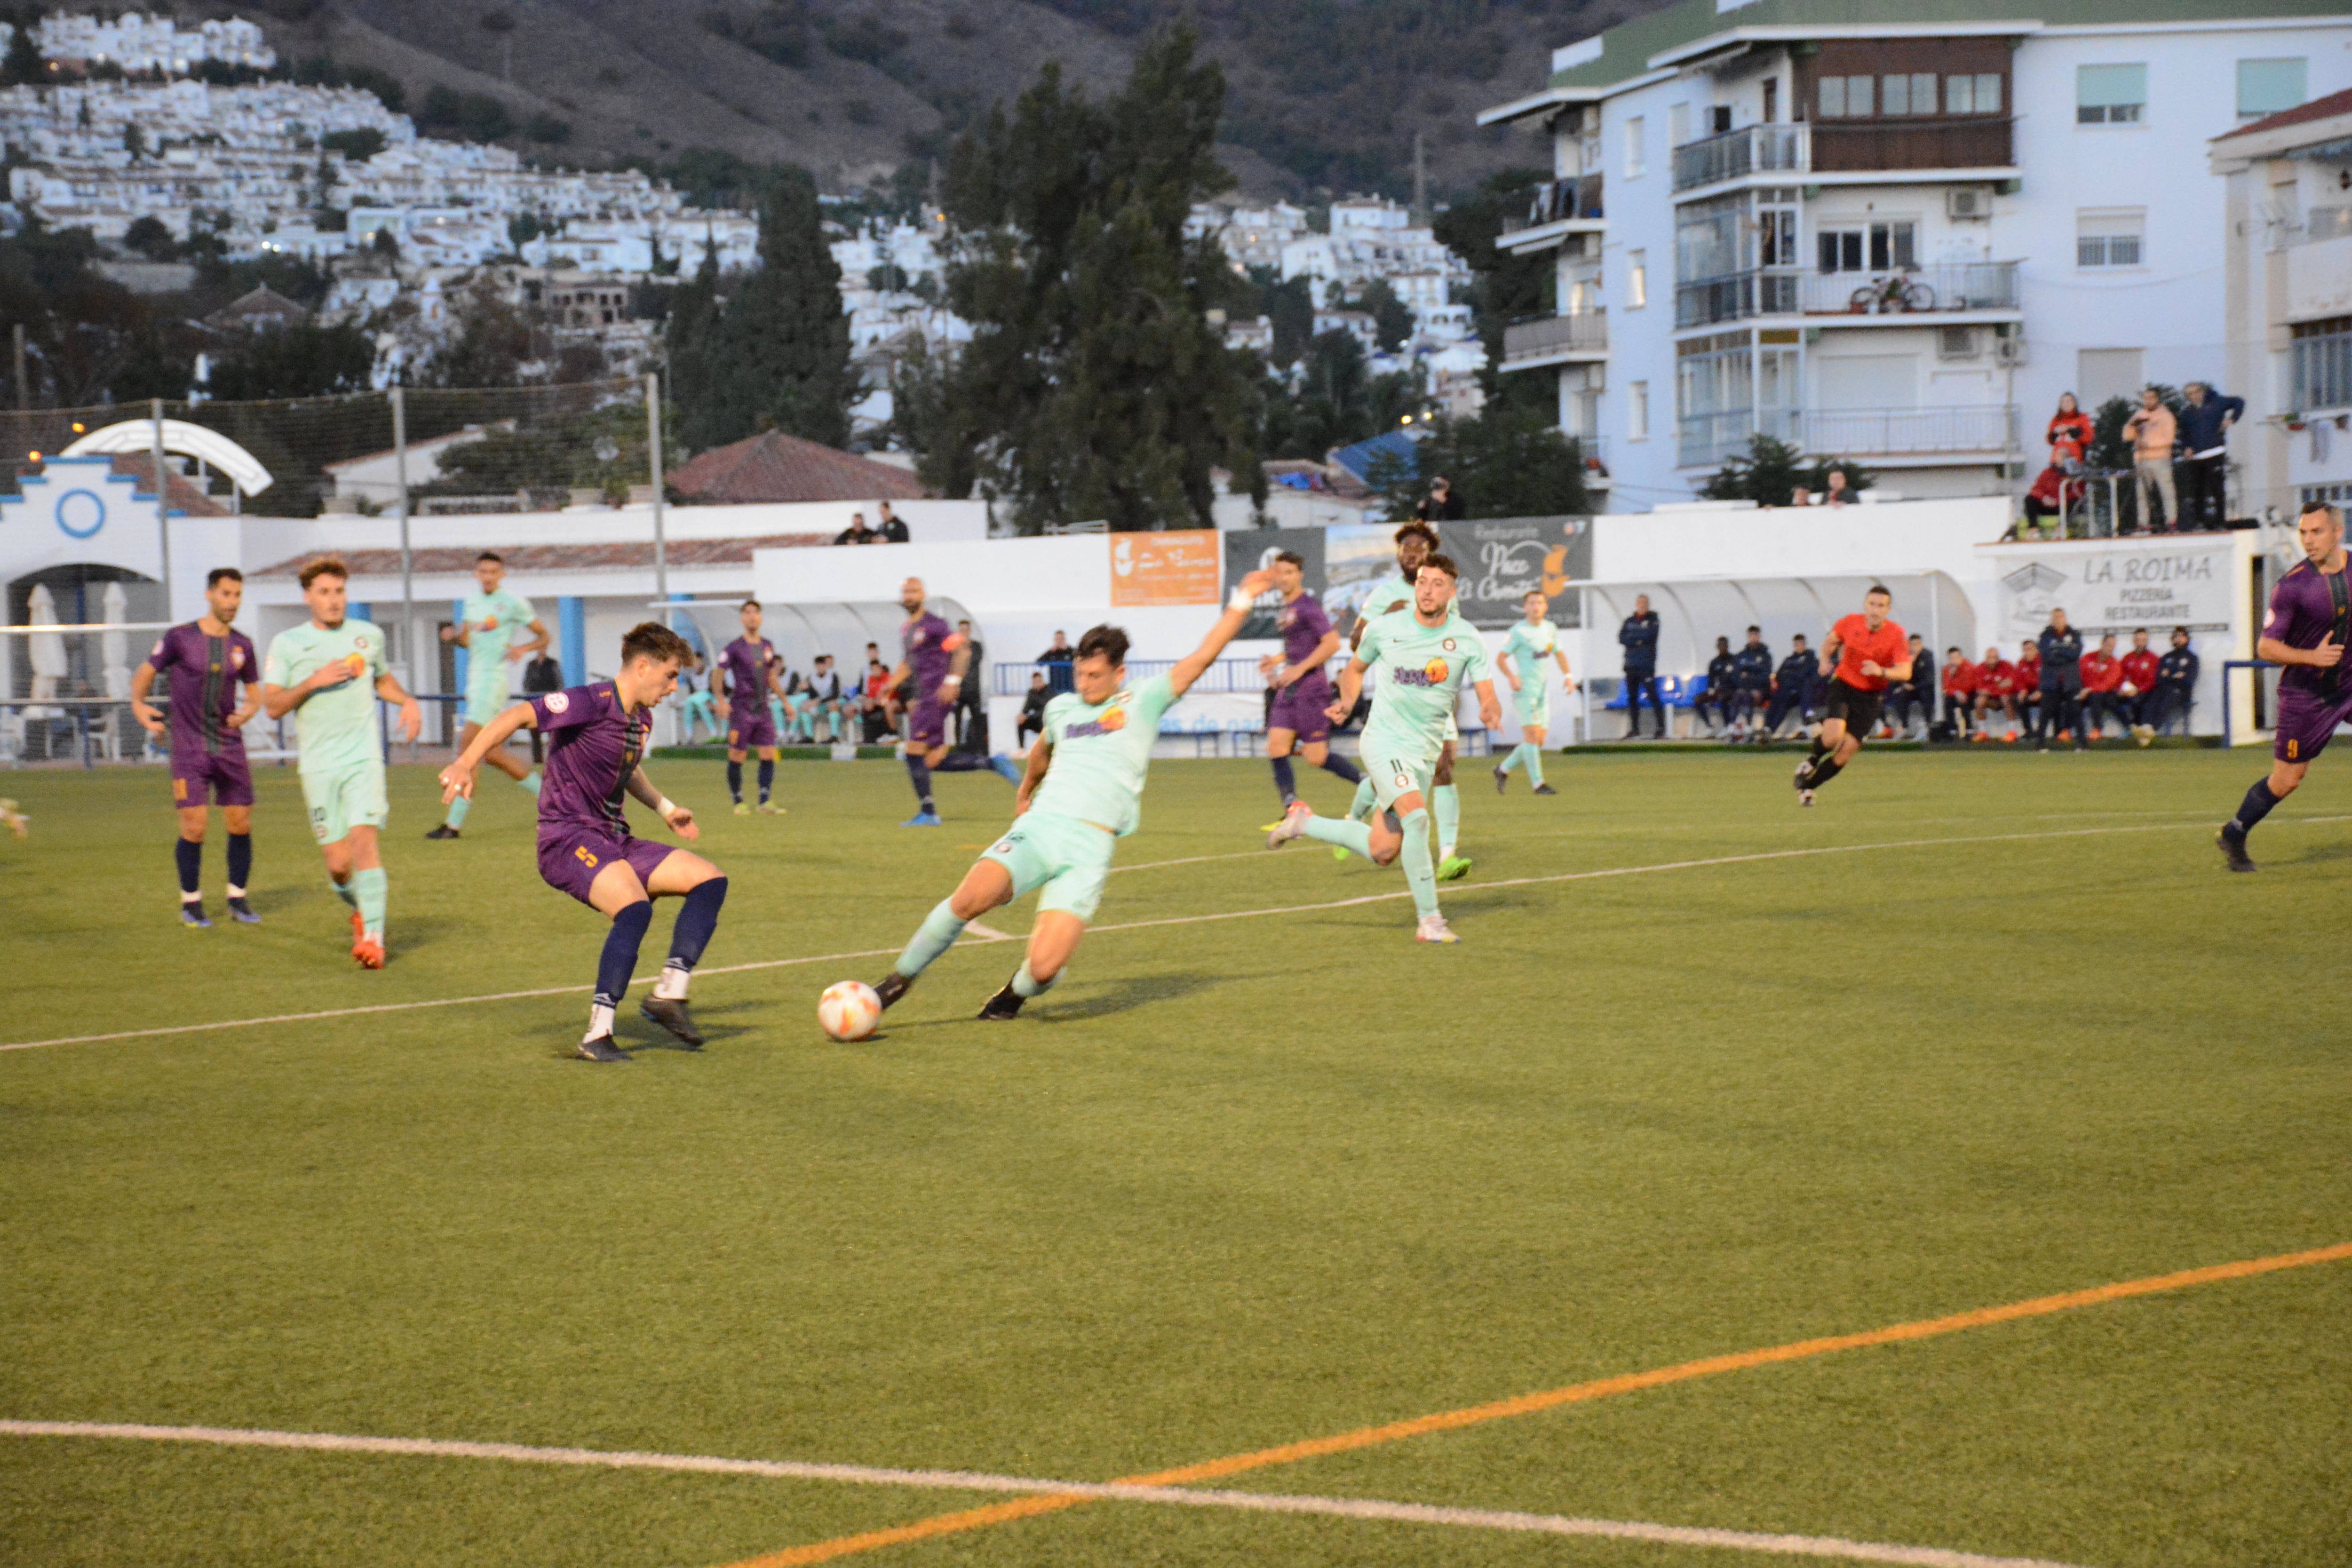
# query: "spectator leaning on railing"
[[2153, 434], [2205, 471]]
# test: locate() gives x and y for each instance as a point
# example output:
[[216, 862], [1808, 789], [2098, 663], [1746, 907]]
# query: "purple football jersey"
[[593, 744], [929, 645], [2302, 615], [201, 675], [1304, 628], [746, 664]]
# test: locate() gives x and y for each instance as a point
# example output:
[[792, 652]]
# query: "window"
[[1637, 411], [1634, 154], [1911, 94], [1979, 94], [1771, 100], [2109, 238], [2266, 87], [2110, 95], [2321, 364], [1637, 279], [1847, 97], [1891, 247]]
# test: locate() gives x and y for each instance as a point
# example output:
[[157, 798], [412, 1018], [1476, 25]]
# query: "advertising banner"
[[1355, 556], [2159, 583], [1503, 558], [1253, 549], [1174, 568]]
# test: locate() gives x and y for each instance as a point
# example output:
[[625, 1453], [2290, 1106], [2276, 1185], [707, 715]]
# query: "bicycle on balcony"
[[1896, 294]]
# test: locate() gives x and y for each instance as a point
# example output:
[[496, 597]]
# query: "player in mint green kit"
[[1083, 792], [329, 673], [492, 634], [1415, 542], [1532, 640], [1429, 657]]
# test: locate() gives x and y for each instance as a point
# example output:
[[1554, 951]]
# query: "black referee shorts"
[[1858, 708]]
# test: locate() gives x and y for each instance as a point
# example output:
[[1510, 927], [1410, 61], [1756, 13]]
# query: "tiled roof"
[[621, 556], [775, 467], [2327, 108]]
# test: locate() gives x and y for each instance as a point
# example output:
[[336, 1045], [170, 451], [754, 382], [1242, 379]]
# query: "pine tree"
[[783, 357], [692, 337], [23, 65]]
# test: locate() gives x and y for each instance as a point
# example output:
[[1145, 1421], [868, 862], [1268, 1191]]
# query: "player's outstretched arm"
[[1490, 711], [411, 717], [1193, 665], [1503, 663], [681, 819], [1830, 651], [458, 778], [1566, 676], [1351, 686], [1041, 757], [2326, 656], [143, 680]]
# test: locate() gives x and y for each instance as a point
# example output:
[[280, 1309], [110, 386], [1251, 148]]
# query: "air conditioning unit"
[[1964, 203], [2008, 352]]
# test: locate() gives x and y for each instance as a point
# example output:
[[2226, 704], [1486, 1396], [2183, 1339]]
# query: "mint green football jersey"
[[493, 622], [336, 726], [1426, 668], [1102, 753], [1530, 645]]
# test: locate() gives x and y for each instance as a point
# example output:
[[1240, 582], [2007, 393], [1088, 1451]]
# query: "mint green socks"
[[457, 810], [933, 937], [1025, 985], [345, 891], [1361, 806], [1419, 869], [373, 889], [530, 782], [1448, 803], [1343, 831]]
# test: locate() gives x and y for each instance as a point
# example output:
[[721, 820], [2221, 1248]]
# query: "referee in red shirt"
[[1865, 654]]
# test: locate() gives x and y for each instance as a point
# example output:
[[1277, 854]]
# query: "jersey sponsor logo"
[[1448, 645], [557, 702], [1110, 723], [1433, 673]]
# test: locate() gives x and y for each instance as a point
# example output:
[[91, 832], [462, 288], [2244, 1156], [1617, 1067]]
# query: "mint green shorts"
[[1067, 857], [344, 798], [484, 700], [1533, 700], [1393, 779]]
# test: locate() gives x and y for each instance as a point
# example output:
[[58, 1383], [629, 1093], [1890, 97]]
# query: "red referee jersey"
[[1887, 646]]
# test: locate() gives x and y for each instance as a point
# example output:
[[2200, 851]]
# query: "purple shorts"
[[749, 725], [927, 723], [223, 771], [569, 856], [2306, 720], [1300, 708]]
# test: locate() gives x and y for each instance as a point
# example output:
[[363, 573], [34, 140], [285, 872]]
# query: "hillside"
[[1323, 98]]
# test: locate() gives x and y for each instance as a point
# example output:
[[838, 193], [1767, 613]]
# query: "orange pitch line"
[[1528, 1404]]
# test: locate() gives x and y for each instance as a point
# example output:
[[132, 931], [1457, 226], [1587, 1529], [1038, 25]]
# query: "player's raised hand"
[[1255, 583], [681, 822]]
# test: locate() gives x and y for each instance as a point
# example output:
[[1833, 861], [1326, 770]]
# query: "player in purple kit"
[[747, 673], [935, 659], [203, 663], [596, 739], [2310, 621], [1302, 688]]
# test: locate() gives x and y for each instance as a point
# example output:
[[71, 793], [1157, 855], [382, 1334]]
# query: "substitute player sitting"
[[1429, 656], [203, 663], [1297, 721], [1082, 793], [329, 673], [2310, 621], [1532, 640], [596, 739], [1864, 655], [491, 634]]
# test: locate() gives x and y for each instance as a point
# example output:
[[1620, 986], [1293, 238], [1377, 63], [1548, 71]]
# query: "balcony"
[[1943, 289], [1555, 340], [1878, 146], [1736, 296], [1751, 149], [1560, 208], [1912, 438]]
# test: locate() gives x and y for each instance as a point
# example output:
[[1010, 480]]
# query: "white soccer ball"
[[848, 1010]]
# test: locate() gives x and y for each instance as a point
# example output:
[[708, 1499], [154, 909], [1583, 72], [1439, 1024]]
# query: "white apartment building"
[[147, 43], [2287, 239], [1893, 232]]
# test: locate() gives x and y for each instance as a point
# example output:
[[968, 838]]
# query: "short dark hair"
[[1291, 558], [218, 573], [1798, 638], [325, 566], [1442, 561], [490, 555], [1758, 630], [1428, 534], [651, 639], [1951, 650], [750, 604], [1877, 589], [1108, 641], [824, 658], [2317, 504]]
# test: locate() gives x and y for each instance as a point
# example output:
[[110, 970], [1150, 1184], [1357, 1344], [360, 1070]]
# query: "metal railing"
[[1543, 336], [1750, 150], [1946, 286], [1703, 440], [1735, 296], [1575, 198]]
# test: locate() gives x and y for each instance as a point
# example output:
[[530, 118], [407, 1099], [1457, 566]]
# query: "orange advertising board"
[[1180, 568]]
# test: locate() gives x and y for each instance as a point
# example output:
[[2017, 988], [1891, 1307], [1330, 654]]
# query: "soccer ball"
[[848, 1010]]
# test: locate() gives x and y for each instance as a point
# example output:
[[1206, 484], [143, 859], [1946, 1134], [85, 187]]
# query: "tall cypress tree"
[[785, 337], [692, 337]]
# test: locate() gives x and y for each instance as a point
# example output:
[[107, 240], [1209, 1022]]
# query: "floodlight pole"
[[162, 499], [654, 455]]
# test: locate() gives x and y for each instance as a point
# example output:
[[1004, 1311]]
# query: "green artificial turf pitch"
[[1234, 1183]]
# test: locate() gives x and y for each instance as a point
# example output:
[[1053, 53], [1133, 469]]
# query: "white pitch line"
[[1152, 924], [981, 1481], [987, 933]]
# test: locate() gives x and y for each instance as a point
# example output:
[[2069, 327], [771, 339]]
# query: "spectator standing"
[[1753, 671], [892, 527], [2176, 683], [1960, 682], [1996, 687], [2029, 685], [2139, 686], [1440, 504], [857, 532], [2205, 471], [2153, 434], [1059, 660], [2061, 648], [1638, 636], [971, 726], [2069, 435], [1722, 675], [1033, 711], [2103, 691], [1789, 684]]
